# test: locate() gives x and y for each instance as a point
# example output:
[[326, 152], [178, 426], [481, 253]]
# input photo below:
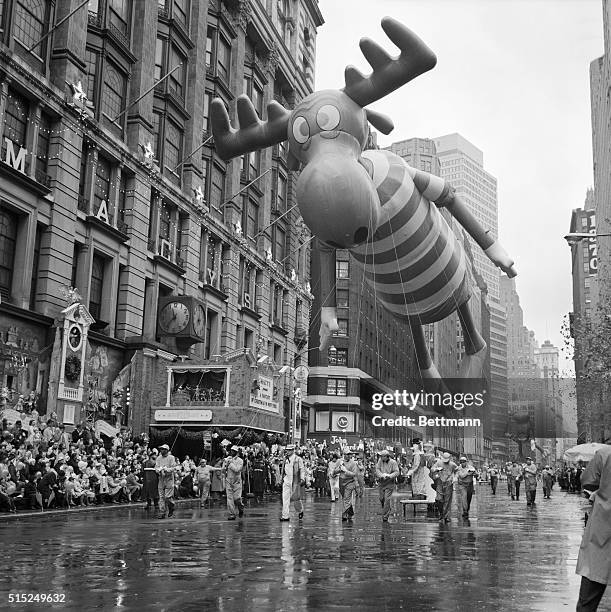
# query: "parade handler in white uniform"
[[165, 466], [293, 479], [232, 470]]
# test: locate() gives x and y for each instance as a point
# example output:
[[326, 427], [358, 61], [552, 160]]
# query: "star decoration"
[[78, 93], [237, 227], [199, 197], [293, 275], [268, 254], [70, 294], [149, 154], [308, 287]]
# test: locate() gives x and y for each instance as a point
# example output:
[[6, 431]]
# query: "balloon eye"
[[327, 117], [301, 130]]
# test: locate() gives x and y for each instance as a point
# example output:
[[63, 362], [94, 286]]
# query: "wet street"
[[506, 558]]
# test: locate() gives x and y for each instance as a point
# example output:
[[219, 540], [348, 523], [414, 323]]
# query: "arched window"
[[113, 99], [31, 23], [8, 237]]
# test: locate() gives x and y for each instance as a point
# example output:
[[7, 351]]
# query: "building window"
[[342, 298], [113, 99], [173, 149], [16, 119], [343, 327], [342, 269], [156, 144], [223, 59], [165, 222], [1, 15], [8, 237], [102, 182], [210, 40], [120, 17], [279, 243], [181, 12], [338, 357], [252, 217], [91, 59], [159, 53], [42, 147], [35, 265], [177, 78], [337, 386], [217, 189], [31, 23], [96, 286], [322, 421], [122, 201], [281, 190], [206, 112]]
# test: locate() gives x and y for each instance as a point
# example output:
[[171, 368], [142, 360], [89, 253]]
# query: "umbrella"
[[583, 452]]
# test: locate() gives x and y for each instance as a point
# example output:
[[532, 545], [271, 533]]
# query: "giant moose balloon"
[[371, 202]]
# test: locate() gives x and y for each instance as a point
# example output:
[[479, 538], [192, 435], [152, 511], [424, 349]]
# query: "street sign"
[[301, 373]]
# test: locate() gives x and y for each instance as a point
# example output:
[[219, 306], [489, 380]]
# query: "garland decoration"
[[242, 436]]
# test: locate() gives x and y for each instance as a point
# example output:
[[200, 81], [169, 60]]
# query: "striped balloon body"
[[414, 262]]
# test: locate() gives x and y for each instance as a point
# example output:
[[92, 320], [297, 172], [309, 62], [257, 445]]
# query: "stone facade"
[[109, 183]]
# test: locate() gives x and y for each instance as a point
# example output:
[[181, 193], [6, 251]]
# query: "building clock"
[[174, 317], [199, 321]]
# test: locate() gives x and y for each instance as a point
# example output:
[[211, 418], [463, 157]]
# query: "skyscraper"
[[462, 165]]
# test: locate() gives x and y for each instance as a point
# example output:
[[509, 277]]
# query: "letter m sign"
[[17, 162]]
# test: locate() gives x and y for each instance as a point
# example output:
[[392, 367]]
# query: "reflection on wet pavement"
[[506, 558]]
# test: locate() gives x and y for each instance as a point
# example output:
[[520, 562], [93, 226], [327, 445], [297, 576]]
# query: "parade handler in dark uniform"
[[150, 482], [443, 473], [387, 471]]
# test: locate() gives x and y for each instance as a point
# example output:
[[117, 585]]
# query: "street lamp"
[[295, 394], [575, 237]]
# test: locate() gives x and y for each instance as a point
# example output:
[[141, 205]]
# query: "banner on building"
[[263, 397], [297, 422]]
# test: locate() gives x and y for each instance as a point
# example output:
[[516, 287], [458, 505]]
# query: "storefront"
[[198, 405]]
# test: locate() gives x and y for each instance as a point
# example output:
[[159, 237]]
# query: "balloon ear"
[[380, 122]]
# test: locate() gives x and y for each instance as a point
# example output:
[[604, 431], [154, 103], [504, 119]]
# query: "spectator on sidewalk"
[[594, 560]]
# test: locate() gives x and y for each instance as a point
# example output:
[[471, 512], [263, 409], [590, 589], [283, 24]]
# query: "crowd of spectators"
[[43, 466]]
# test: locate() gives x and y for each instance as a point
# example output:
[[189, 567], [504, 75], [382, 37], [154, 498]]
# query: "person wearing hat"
[[465, 474], [443, 473], [530, 481], [594, 559], [347, 471], [150, 482], [333, 480], [509, 485], [232, 470], [547, 478], [514, 476], [293, 482], [165, 466], [494, 478], [387, 470]]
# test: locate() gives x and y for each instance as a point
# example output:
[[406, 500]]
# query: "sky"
[[512, 77]]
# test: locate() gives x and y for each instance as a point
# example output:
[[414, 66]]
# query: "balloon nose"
[[338, 201]]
